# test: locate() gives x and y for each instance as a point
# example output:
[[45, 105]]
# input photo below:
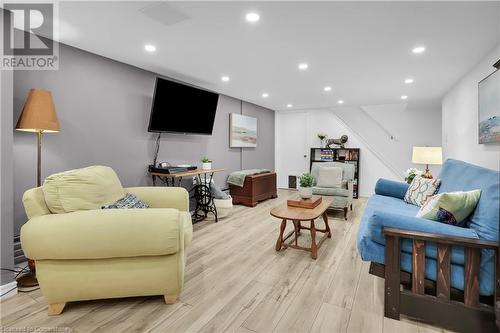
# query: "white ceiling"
[[361, 49]]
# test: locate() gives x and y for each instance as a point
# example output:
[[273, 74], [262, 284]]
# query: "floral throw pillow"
[[420, 190]]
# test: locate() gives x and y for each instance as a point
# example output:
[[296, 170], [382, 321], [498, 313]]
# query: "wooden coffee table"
[[297, 216]]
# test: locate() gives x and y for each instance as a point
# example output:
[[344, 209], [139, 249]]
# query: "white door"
[[292, 153]]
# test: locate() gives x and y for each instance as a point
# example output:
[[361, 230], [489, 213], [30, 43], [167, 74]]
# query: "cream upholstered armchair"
[[343, 193], [83, 252]]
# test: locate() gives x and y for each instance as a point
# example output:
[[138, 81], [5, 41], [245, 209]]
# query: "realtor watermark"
[[28, 33], [29, 329]]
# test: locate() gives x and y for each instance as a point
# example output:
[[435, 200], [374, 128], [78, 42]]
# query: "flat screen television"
[[179, 108]]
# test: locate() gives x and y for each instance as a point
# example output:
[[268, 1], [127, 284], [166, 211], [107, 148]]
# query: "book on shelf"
[[326, 155]]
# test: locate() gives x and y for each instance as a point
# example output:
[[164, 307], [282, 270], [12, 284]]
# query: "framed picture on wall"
[[489, 108], [242, 131]]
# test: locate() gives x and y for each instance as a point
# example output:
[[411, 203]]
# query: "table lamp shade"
[[39, 113], [427, 155]]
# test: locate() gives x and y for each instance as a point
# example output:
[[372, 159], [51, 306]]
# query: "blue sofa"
[[387, 209]]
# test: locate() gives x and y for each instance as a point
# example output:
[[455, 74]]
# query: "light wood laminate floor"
[[236, 282]]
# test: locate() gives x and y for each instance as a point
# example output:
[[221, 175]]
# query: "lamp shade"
[[427, 155], [39, 113]]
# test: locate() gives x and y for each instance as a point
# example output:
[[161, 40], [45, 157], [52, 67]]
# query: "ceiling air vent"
[[164, 13]]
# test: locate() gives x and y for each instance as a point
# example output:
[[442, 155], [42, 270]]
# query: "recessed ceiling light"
[[408, 81], [289, 105], [303, 66], [418, 49], [252, 17], [327, 88], [340, 101], [150, 47], [404, 97], [225, 78], [265, 95]]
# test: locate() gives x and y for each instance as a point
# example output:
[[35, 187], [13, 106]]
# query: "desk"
[[200, 192]]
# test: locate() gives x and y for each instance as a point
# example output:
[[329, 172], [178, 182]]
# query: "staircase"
[[383, 144]]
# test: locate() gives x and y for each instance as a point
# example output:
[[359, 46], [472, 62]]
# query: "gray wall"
[[103, 107], [6, 175]]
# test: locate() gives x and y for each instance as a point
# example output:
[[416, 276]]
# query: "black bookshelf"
[[345, 155]]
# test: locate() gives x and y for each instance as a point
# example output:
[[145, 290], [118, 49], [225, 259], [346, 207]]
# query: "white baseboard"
[[6, 287]]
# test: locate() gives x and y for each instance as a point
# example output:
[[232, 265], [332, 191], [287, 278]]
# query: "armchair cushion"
[[34, 203], [330, 177], [82, 189], [336, 191], [113, 233], [162, 197], [347, 169]]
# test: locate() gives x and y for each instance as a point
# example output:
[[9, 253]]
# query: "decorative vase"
[[206, 166], [305, 192], [322, 143]]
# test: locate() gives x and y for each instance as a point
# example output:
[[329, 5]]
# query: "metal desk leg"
[[204, 200]]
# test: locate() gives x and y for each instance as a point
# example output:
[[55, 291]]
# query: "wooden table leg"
[[297, 230], [279, 242], [314, 247], [327, 227], [300, 226]]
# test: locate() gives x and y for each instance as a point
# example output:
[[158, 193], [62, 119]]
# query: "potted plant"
[[411, 173], [306, 182], [206, 163], [322, 137]]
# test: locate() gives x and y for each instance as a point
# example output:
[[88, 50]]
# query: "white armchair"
[[342, 196]]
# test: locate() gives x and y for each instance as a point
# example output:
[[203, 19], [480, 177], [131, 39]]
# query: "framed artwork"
[[489, 109], [242, 131]]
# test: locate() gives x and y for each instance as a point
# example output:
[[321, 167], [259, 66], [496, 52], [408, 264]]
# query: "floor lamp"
[[38, 116]]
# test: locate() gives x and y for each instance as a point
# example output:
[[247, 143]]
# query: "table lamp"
[[38, 116], [427, 155]]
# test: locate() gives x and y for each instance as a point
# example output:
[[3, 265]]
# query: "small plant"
[[322, 136], [306, 180], [205, 160], [411, 173]]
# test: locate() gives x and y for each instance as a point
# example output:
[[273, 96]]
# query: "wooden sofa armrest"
[[407, 300], [441, 239]]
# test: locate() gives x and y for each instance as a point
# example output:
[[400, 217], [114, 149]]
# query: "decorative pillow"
[[329, 177], [130, 201], [82, 189], [420, 190], [450, 207]]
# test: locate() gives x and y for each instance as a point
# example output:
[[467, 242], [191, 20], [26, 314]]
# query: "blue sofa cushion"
[[372, 224], [391, 188], [461, 176], [374, 252], [380, 219]]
